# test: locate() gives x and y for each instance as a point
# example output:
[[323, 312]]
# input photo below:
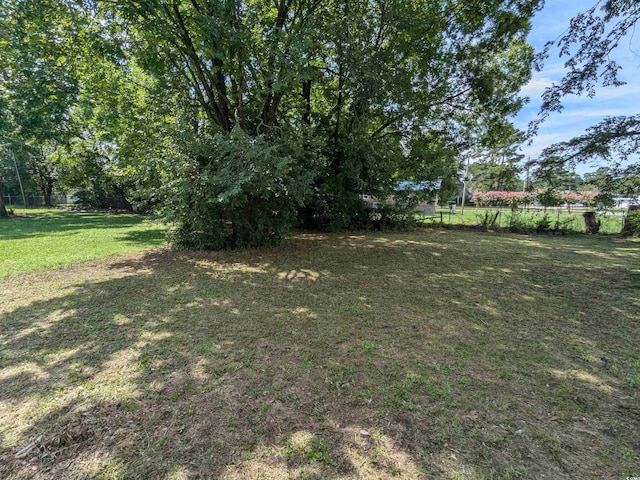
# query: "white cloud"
[[547, 139], [536, 86]]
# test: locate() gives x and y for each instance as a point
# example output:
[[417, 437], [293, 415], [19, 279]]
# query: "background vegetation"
[[238, 120]]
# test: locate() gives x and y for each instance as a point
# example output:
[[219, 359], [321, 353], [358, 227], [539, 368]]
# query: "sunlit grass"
[[529, 218], [437, 354], [47, 238]]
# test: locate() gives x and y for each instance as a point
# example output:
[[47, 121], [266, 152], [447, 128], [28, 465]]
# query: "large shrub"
[[234, 191], [634, 221]]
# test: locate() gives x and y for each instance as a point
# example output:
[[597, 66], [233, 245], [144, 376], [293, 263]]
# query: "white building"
[[624, 202]]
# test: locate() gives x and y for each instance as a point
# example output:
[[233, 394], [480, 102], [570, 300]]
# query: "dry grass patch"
[[442, 354]]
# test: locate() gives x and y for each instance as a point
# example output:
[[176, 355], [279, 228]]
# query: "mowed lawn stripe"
[[53, 238]]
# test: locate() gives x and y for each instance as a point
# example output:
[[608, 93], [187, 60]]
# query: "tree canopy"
[[238, 119]]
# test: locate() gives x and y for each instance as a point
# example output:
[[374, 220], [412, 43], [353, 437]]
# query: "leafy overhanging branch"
[[587, 44], [615, 140]]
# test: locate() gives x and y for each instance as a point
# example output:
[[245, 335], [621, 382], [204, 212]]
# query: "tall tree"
[[558, 178], [612, 182], [37, 55], [5, 128], [499, 167], [347, 96], [277, 109], [4, 169]]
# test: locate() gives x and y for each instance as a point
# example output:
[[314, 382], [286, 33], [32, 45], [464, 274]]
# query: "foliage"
[[365, 106], [587, 197], [547, 198], [502, 199], [571, 198], [557, 177], [79, 114], [239, 192], [517, 222], [588, 44], [342, 98], [5, 170], [499, 168], [492, 175], [489, 219], [38, 52], [621, 181], [614, 138], [88, 173], [634, 220], [396, 217]]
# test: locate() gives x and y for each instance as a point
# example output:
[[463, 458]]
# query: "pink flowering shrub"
[[514, 199], [571, 198], [502, 199], [578, 197], [588, 197]]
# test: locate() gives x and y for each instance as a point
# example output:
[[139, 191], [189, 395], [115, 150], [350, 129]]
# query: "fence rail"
[[37, 200], [523, 219]]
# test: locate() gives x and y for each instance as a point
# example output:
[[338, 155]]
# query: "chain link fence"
[[37, 201], [532, 219], [34, 201]]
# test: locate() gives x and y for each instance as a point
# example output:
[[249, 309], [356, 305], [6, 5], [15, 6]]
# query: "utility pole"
[[15, 164], [464, 186]]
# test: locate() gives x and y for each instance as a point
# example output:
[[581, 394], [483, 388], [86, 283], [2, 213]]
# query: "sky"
[[579, 111]]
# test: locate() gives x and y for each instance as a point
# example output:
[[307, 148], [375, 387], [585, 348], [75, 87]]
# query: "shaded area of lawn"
[[440, 354], [52, 238]]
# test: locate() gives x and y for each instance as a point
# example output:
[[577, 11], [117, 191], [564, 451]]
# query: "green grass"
[[51, 238], [569, 222], [437, 354]]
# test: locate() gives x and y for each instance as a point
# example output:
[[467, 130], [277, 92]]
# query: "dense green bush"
[[237, 191], [233, 191], [334, 208], [634, 221], [393, 217], [549, 198]]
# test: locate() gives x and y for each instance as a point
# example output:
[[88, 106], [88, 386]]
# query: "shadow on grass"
[[155, 237], [437, 354], [56, 222]]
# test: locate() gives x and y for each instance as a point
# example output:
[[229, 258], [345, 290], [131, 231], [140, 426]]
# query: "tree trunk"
[[306, 95], [48, 192], [3, 209], [592, 225], [627, 228]]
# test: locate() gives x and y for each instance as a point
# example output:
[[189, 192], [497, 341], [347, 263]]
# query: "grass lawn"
[[438, 354], [572, 222], [49, 238]]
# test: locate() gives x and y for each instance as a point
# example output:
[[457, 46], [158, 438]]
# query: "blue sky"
[[580, 111]]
